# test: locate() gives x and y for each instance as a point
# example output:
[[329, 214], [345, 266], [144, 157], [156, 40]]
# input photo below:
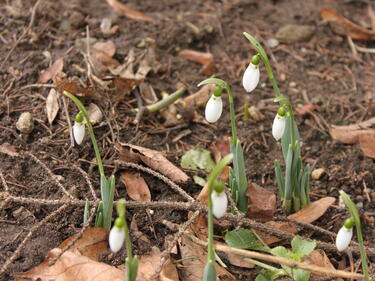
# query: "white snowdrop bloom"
[[220, 203], [343, 238], [116, 238], [250, 78], [278, 127], [78, 132], [214, 108]]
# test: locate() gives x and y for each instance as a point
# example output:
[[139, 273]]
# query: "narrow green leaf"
[[288, 180], [280, 179], [209, 273], [240, 175], [301, 246]]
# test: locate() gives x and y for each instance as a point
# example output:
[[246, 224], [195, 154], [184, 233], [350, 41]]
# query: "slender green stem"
[[262, 264], [90, 129], [128, 242], [354, 213], [165, 102]]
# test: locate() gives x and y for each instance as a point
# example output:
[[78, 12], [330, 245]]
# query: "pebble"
[[359, 205], [318, 173], [25, 123], [105, 26], [272, 43], [293, 33]]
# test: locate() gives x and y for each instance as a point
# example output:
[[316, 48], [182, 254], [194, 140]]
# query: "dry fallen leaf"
[[95, 114], [149, 263], [235, 259], [52, 105], [101, 55], [72, 266], [157, 161], [353, 30], [147, 93], [306, 109], [262, 202], [205, 59], [128, 12], [194, 258], [199, 98], [220, 148], [367, 143], [318, 257], [308, 214], [52, 71], [136, 186], [8, 149], [93, 242]]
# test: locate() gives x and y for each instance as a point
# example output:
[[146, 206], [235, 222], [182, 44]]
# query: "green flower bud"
[[217, 91], [255, 59], [218, 186], [120, 222], [281, 111], [79, 117], [349, 223]]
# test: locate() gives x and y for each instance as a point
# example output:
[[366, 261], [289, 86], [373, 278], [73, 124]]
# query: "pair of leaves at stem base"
[[247, 239], [294, 187], [131, 268], [237, 176], [104, 212]]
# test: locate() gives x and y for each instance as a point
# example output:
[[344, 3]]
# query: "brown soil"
[[322, 71]]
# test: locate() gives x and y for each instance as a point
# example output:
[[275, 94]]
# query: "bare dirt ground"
[[321, 70]]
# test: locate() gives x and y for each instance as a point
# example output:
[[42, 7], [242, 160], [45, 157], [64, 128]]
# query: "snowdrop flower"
[[117, 235], [220, 203], [278, 126], [79, 129], [250, 78], [214, 106], [344, 236]]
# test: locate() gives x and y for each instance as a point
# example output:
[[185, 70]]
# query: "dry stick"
[[158, 175], [193, 206], [38, 86], [66, 111], [52, 175], [23, 34], [6, 187], [280, 260], [75, 239], [86, 176], [167, 251], [28, 237]]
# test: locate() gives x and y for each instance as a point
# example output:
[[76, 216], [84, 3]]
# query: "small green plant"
[[247, 239], [107, 185], [217, 206], [294, 184], [120, 233], [346, 232]]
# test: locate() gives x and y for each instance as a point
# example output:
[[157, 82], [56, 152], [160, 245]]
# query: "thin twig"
[[281, 260], [66, 111], [32, 18], [167, 251], [6, 187], [28, 237], [51, 174]]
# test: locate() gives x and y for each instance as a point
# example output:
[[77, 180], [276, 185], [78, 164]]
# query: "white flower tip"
[[343, 238], [116, 238], [220, 204], [278, 127], [250, 78], [79, 132], [214, 108]]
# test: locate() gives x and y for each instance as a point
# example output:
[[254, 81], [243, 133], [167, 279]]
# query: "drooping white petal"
[[214, 108], [78, 132], [250, 78], [278, 127], [116, 238], [220, 204], [343, 238]]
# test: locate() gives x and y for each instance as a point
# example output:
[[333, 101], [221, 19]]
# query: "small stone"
[[255, 113], [359, 205], [292, 84], [25, 123], [272, 43], [77, 19], [293, 33], [318, 173], [105, 26]]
